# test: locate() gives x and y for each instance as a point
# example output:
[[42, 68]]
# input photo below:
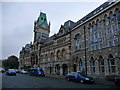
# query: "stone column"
[[96, 67], [106, 66], [117, 65], [61, 70]]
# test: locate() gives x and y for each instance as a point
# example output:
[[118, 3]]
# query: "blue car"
[[79, 77], [36, 72], [11, 72]]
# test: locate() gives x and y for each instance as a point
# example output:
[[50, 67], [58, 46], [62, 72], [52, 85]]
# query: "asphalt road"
[[26, 81]]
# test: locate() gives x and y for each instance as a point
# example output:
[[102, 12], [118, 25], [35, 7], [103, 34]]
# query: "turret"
[[41, 28]]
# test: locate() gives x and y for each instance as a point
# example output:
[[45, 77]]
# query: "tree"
[[11, 62]]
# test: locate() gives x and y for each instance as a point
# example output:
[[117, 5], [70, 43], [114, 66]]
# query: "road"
[[26, 81]]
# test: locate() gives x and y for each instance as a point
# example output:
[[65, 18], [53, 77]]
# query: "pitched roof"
[[42, 19]]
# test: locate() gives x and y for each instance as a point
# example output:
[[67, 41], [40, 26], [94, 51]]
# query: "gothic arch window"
[[91, 37], [58, 55], [51, 57], [92, 65], [111, 62], [108, 31], [77, 42], [81, 65], [101, 64], [63, 54], [41, 58], [112, 22], [99, 31], [95, 35], [118, 20], [46, 57], [116, 33]]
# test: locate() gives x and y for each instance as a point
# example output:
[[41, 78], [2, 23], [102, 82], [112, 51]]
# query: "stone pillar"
[[61, 70], [68, 67], [106, 66], [117, 65], [96, 67], [88, 68]]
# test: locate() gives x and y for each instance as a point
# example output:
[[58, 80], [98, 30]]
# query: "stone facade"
[[91, 44]]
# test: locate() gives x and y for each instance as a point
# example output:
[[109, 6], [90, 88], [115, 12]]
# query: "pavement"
[[97, 80]]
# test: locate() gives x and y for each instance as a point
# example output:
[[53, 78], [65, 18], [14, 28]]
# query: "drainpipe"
[[85, 50]]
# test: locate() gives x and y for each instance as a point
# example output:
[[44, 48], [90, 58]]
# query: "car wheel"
[[81, 81]]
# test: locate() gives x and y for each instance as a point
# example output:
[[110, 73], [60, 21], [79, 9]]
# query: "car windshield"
[[11, 70], [81, 74]]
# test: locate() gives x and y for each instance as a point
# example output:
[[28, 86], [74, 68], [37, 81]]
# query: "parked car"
[[11, 72], [17, 70], [2, 70], [79, 77], [36, 72], [117, 81], [111, 77], [23, 71]]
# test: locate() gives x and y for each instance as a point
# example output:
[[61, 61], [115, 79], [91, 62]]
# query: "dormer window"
[[45, 19], [41, 18]]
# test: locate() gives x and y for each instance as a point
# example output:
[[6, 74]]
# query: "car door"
[[76, 76], [72, 76]]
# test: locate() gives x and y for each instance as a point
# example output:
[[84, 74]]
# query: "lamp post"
[[85, 50]]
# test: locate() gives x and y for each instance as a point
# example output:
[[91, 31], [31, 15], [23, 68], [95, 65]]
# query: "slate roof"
[[97, 10]]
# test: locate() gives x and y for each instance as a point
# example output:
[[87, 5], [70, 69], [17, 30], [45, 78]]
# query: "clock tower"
[[41, 28]]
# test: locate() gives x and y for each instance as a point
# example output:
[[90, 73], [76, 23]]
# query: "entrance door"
[[74, 67], [65, 69]]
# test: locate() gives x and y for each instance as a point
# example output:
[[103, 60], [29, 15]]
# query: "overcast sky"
[[18, 19]]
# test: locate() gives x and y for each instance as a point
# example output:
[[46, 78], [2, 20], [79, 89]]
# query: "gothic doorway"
[[65, 69], [74, 67]]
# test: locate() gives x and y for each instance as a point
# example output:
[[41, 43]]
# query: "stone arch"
[[76, 35], [111, 64], [101, 64], [63, 54], [51, 56], [65, 69], [93, 23], [105, 16], [110, 13], [92, 64], [57, 69], [116, 10], [58, 54]]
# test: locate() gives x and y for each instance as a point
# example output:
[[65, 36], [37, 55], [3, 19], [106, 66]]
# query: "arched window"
[[101, 64], [63, 54], [51, 57], [41, 58], [117, 27], [46, 57], [91, 37], [99, 30], [111, 61], [80, 65], [108, 31], [58, 55], [92, 64], [77, 42]]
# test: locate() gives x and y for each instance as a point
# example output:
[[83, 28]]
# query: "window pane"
[[113, 69]]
